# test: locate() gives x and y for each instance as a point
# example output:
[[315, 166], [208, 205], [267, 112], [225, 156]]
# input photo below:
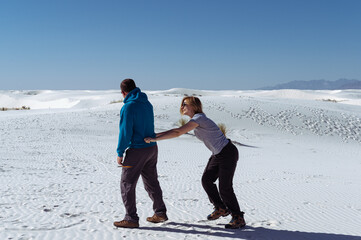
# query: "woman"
[[221, 164]]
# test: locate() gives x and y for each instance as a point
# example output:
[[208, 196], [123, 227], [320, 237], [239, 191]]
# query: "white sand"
[[59, 178]]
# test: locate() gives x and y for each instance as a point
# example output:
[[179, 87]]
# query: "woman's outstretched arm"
[[162, 133], [173, 133]]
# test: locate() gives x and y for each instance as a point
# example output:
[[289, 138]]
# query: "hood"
[[136, 96]]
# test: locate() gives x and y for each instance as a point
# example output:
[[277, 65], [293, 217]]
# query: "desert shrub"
[[19, 108], [182, 122], [116, 101], [223, 128], [330, 100]]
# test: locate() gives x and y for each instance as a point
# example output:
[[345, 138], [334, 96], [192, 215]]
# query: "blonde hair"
[[194, 102]]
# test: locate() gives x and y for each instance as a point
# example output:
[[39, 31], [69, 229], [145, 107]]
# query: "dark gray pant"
[[144, 163], [222, 167]]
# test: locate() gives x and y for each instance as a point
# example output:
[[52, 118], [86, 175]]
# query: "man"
[[136, 123]]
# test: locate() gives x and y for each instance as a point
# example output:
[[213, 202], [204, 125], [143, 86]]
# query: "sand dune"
[[59, 178]]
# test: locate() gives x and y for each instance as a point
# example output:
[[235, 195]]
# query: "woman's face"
[[187, 109]]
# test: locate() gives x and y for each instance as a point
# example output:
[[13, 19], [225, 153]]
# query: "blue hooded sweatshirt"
[[136, 122]]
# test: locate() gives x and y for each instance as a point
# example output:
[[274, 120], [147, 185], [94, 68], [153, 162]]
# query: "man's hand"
[[120, 160]]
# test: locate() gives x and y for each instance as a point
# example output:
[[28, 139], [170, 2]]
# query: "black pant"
[[222, 166]]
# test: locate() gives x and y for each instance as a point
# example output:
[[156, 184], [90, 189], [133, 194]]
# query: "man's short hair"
[[127, 85]]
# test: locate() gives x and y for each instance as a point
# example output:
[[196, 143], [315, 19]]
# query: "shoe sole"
[[211, 219], [233, 227], [157, 221], [122, 226], [126, 226]]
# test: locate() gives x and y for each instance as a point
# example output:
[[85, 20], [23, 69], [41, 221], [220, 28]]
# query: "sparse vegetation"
[[330, 100], [182, 122], [223, 128], [8, 109], [193, 95], [116, 101]]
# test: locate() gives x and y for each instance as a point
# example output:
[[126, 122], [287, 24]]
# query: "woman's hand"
[[149, 140]]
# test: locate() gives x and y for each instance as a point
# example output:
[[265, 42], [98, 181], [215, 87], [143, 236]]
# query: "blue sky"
[[163, 44]]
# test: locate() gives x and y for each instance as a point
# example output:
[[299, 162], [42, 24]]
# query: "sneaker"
[[217, 213], [157, 218], [126, 224], [236, 222]]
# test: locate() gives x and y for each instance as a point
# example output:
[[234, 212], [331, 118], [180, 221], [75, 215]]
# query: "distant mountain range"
[[318, 85]]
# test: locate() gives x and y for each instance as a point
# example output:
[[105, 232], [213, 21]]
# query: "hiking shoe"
[[217, 213], [236, 222], [126, 224], [157, 218]]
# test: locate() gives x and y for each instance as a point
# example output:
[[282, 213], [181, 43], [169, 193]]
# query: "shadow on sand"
[[246, 233]]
